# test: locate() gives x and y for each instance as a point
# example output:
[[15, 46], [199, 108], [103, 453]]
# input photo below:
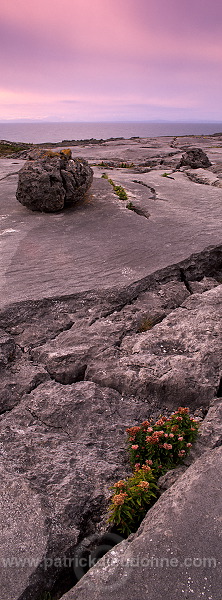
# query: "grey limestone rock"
[[138, 351], [178, 361], [7, 349], [62, 447], [53, 181], [194, 158], [176, 552]]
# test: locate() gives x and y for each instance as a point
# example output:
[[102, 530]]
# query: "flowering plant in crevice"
[[154, 449], [131, 499], [164, 443]]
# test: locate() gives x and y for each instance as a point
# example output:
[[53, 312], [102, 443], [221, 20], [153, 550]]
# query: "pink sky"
[[111, 60]]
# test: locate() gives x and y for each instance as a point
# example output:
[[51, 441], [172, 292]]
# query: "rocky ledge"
[[104, 323], [75, 372]]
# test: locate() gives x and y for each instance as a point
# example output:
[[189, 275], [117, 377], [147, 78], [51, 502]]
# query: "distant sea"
[[57, 132]]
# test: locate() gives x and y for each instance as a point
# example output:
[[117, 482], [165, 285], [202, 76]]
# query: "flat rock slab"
[[23, 534], [178, 361], [176, 552], [61, 449], [100, 243]]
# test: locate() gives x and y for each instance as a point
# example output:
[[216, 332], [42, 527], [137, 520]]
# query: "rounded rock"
[[53, 181]]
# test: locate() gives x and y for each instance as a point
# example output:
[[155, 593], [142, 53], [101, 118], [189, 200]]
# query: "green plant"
[[125, 165], [167, 175], [130, 206], [131, 499], [154, 449], [165, 443], [8, 148], [118, 189]]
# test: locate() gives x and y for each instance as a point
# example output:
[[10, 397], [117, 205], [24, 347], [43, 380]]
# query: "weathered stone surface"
[[195, 158], [86, 336], [177, 361], [177, 549], [71, 352], [67, 442], [64, 446], [21, 377], [7, 349], [112, 246], [55, 181], [204, 176], [205, 284], [23, 534], [63, 443], [210, 431]]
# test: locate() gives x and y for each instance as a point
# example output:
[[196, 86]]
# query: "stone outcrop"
[[179, 358], [176, 552], [53, 181], [64, 444], [81, 370], [77, 367], [195, 158]]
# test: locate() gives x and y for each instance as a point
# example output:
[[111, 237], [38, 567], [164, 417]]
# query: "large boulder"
[[53, 181], [195, 158]]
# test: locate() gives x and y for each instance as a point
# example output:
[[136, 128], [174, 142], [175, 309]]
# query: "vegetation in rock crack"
[[167, 175], [147, 323], [130, 206], [118, 189], [125, 165], [131, 498], [121, 165], [154, 448]]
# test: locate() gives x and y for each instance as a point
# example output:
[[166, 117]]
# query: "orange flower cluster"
[[161, 421], [119, 499], [132, 431], [121, 483], [144, 485], [146, 468], [155, 437]]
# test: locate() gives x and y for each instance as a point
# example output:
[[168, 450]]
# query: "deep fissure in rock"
[[219, 391], [185, 281]]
